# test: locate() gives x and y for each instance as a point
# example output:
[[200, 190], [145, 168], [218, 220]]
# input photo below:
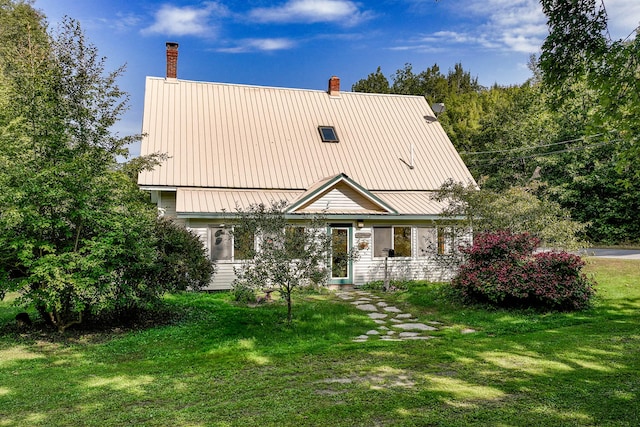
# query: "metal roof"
[[237, 137]]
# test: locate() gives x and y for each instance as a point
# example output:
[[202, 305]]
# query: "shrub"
[[182, 262], [243, 293], [502, 270]]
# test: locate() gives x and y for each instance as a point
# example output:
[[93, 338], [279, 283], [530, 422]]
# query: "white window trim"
[[233, 259], [411, 240]]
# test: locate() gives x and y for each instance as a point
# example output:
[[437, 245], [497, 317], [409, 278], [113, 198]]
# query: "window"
[[427, 241], [396, 238], [294, 239], [328, 134], [243, 244], [221, 247], [227, 246], [381, 241], [446, 240], [402, 241]]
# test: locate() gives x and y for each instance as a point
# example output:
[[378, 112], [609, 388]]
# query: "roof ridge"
[[247, 85]]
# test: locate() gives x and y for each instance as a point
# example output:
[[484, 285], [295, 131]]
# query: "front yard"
[[224, 365]]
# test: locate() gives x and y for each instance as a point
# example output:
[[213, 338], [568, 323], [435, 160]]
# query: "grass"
[[224, 365]]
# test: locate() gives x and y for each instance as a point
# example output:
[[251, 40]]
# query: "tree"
[[595, 77], [77, 236], [578, 51], [374, 83], [516, 209], [277, 254]]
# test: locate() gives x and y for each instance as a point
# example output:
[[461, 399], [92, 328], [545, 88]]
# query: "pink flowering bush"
[[501, 269]]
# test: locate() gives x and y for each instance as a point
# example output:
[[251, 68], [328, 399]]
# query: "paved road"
[[612, 253]]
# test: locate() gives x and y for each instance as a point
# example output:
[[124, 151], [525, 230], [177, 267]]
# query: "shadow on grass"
[[229, 365]]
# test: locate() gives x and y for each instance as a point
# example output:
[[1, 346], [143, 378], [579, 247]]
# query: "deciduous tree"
[[77, 237], [279, 255]]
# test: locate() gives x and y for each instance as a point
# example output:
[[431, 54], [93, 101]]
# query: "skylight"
[[328, 134]]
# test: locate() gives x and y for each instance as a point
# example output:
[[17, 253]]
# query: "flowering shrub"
[[502, 270]]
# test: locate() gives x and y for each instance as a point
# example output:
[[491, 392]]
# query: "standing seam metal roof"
[[251, 137]]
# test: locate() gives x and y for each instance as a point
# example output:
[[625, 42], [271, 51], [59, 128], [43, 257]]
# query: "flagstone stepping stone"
[[468, 331], [367, 307], [381, 304], [396, 320], [433, 322], [392, 309], [414, 327], [362, 337], [408, 334], [377, 315], [373, 332], [391, 332], [383, 328], [403, 316], [380, 322], [389, 338]]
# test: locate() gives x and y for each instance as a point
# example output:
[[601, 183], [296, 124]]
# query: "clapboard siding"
[[366, 267], [341, 198], [224, 276], [167, 206]]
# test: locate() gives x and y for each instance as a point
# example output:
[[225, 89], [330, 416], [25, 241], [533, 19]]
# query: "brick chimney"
[[172, 60], [334, 86]]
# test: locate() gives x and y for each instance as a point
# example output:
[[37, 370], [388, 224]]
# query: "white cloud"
[[518, 26], [311, 11], [449, 37], [624, 17], [126, 21], [262, 45], [187, 20], [506, 25]]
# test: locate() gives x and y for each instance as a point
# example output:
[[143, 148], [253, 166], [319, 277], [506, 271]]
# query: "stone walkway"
[[393, 324]]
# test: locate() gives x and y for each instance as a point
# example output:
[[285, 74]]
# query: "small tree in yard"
[[278, 255], [502, 270]]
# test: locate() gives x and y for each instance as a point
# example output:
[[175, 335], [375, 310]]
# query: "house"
[[368, 162]]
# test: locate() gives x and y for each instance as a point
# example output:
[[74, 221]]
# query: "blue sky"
[[301, 43]]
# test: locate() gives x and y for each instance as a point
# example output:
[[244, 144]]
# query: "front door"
[[340, 263]]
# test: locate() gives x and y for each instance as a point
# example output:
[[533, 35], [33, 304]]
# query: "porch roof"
[[207, 202]]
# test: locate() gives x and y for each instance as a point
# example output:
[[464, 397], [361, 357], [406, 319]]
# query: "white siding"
[[341, 198], [224, 272], [167, 205], [366, 267]]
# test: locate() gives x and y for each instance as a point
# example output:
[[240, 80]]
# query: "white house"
[[369, 162]]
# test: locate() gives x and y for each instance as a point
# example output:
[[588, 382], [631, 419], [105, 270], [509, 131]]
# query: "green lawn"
[[223, 365]]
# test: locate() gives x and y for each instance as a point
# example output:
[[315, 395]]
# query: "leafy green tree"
[[595, 77], [515, 127], [77, 237], [279, 255], [374, 83], [516, 209], [579, 51]]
